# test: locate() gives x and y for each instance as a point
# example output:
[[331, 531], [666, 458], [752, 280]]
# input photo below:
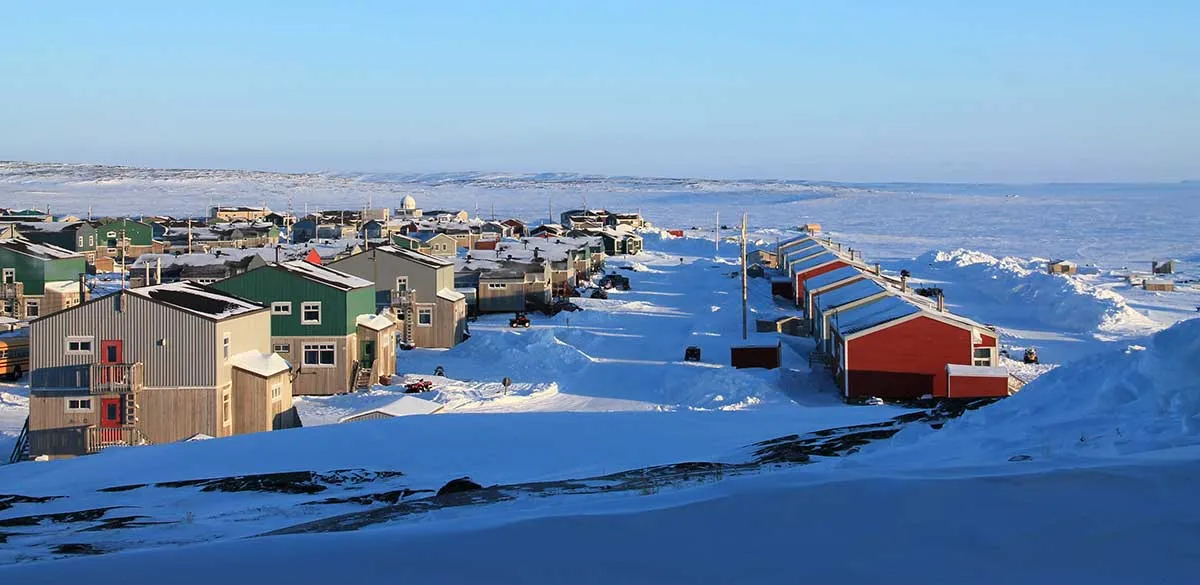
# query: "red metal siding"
[[919, 346], [987, 341], [798, 284], [807, 296], [978, 386]]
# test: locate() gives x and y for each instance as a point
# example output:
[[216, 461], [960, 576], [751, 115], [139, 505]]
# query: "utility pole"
[[549, 209], [717, 239], [744, 277]]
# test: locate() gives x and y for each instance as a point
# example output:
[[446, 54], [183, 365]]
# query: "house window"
[[111, 235], [282, 348], [281, 308], [79, 345], [310, 313], [276, 392], [91, 241], [982, 357], [33, 308], [80, 241], [402, 284], [10, 275], [79, 405], [320, 355], [425, 316], [225, 408], [225, 347], [497, 285]]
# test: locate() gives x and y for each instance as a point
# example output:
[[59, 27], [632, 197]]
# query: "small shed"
[[1166, 266], [756, 356], [404, 406], [976, 381], [1158, 284], [1062, 267], [810, 228]]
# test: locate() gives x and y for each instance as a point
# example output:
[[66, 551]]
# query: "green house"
[[109, 233], [76, 236], [314, 313], [37, 279]]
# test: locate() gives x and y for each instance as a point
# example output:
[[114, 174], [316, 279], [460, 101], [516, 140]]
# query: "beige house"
[[238, 213], [154, 365]]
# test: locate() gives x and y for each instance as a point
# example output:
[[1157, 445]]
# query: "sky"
[[846, 90]]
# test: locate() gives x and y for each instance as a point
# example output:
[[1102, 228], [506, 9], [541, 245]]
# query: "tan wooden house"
[[154, 365]]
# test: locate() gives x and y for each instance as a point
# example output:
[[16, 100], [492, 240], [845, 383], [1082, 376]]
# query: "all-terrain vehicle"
[[691, 354], [520, 320], [418, 386], [1031, 356]]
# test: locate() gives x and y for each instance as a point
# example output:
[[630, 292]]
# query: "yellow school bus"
[[14, 354]]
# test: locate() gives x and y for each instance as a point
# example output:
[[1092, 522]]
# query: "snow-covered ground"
[[1084, 476]]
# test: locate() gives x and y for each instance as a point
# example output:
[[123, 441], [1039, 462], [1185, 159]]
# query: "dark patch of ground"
[[286, 482], [77, 549], [59, 518], [9, 500]]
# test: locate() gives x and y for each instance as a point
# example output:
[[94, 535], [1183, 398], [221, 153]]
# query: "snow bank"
[[1124, 401], [1027, 293]]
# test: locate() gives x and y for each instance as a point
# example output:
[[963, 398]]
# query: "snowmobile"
[[691, 354], [1031, 356], [520, 320]]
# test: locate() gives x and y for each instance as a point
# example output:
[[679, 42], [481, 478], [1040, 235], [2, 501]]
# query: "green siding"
[[36, 272], [268, 284], [139, 234]]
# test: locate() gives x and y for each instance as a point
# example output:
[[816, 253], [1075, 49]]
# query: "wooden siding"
[[173, 414], [187, 359], [49, 411], [246, 333], [254, 410], [907, 360], [320, 381], [385, 350], [449, 324], [510, 298]]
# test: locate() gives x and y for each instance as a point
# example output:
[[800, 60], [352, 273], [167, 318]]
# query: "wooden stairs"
[[20, 450]]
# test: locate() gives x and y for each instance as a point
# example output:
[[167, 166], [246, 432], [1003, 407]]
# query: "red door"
[[110, 412], [112, 352]]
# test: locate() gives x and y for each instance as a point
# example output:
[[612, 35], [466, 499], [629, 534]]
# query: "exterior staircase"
[[20, 451], [363, 379]]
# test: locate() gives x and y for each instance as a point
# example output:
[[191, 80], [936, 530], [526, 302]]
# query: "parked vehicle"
[[599, 293], [691, 354], [418, 386], [14, 354], [1031, 356], [520, 320]]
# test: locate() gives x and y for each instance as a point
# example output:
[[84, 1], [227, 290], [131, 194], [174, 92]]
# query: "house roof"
[[803, 251], [42, 251], [450, 294], [373, 322], [259, 363], [976, 371], [833, 277], [47, 226], [324, 275], [847, 294], [404, 406], [197, 299], [877, 312], [415, 256], [815, 261]]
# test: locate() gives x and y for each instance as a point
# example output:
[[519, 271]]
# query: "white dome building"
[[408, 203]]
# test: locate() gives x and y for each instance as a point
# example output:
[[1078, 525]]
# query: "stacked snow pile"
[[1125, 401], [1057, 301]]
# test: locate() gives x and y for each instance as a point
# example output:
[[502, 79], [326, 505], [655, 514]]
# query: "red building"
[[815, 265], [896, 347]]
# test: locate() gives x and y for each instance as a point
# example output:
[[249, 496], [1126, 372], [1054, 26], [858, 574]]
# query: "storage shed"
[[976, 381], [404, 406]]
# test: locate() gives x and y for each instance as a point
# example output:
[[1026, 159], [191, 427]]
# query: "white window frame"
[[305, 307], [79, 341], [404, 280], [37, 308], [282, 348], [225, 346], [226, 408], [318, 347], [9, 276], [81, 405], [498, 285], [281, 308], [991, 359], [423, 309], [276, 392]]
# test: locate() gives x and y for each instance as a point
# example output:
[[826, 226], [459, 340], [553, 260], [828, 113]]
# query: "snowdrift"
[[1125, 401], [1021, 291]]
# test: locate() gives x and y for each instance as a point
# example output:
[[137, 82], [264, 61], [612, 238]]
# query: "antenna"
[[744, 283]]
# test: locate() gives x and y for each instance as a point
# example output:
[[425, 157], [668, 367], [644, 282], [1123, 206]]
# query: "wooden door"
[[110, 412], [112, 352]]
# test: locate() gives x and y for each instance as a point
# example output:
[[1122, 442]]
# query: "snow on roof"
[[832, 277], [46, 226], [197, 299], [325, 275], [450, 295], [814, 261], [976, 371], [42, 251], [1062, 263], [418, 257], [260, 363], [373, 322], [63, 286], [803, 252], [847, 294], [404, 406], [877, 312]]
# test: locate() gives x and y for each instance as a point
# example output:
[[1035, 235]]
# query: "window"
[[10, 275], [281, 308], [281, 348], [276, 392], [402, 284], [320, 355], [80, 244], [91, 241], [111, 235], [79, 345], [32, 308], [497, 285], [225, 408], [425, 316], [225, 347], [79, 405], [982, 356], [310, 313]]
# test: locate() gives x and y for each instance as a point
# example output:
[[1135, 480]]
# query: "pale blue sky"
[[833, 89]]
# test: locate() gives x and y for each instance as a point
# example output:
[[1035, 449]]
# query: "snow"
[[1105, 435], [324, 275], [259, 363], [43, 251], [450, 295], [854, 291], [976, 371], [197, 299], [374, 322], [403, 406], [876, 312]]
